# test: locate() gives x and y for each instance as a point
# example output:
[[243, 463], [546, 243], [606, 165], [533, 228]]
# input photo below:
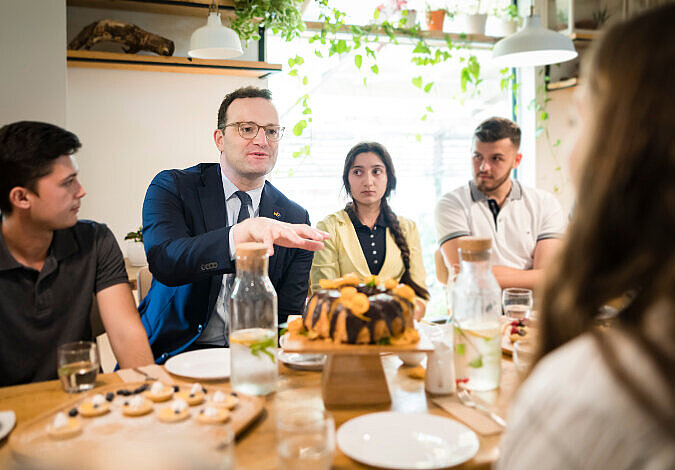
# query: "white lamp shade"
[[214, 41], [532, 46]]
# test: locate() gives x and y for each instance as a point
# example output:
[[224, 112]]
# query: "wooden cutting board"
[[30, 440]]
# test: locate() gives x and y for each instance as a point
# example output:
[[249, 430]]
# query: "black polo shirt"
[[373, 241], [39, 310]]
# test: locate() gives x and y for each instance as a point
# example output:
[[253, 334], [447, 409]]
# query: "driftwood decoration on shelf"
[[132, 37]]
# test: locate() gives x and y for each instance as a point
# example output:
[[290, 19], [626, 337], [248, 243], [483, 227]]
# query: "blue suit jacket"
[[187, 244]]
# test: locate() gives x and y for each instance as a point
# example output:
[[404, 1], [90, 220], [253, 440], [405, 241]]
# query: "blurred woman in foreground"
[[603, 398]]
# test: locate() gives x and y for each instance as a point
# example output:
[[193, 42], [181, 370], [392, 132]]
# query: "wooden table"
[[255, 450]]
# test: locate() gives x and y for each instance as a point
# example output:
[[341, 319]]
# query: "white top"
[[216, 331], [527, 216], [572, 413]]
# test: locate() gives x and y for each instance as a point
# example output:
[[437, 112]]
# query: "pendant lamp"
[[214, 41], [532, 46]]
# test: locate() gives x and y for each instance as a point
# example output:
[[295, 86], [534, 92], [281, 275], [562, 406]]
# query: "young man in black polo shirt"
[[51, 263]]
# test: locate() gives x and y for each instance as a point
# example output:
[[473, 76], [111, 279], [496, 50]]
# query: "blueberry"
[[176, 412], [95, 406], [123, 392], [521, 332], [176, 388], [204, 389], [234, 394], [109, 396], [73, 412], [126, 403], [192, 395], [141, 389], [201, 412]]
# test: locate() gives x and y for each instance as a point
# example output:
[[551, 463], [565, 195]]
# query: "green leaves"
[[358, 60], [460, 349], [261, 347], [299, 127], [427, 87], [417, 81], [375, 69], [476, 363]]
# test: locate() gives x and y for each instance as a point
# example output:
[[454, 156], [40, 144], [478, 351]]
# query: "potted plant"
[[283, 17], [508, 20], [435, 17], [135, 248], [472, 19]]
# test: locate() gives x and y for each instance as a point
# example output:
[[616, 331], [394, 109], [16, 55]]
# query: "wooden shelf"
[[172, 7], [562, 84], [114, 60]]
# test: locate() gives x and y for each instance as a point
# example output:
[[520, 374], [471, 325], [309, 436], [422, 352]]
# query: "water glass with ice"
[[305, 438], [77, 365]]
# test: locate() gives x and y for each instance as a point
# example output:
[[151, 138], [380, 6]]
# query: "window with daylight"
[[428, 133]]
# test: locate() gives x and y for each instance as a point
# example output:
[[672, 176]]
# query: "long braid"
[[395, 227]]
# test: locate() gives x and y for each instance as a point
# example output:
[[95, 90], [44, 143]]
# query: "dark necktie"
[[245, 203]]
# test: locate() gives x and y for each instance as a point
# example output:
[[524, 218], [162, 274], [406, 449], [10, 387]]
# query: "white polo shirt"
[[527, 216]]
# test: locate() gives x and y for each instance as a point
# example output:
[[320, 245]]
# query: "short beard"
[[483, 186]]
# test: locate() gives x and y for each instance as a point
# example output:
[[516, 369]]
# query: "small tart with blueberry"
[[213, 415], [137, 406], [194, 397], [177, 411], [97, 406], [159, 392], [224, 400], [64, 427]]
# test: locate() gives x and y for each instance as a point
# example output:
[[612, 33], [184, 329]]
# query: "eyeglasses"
[[249, 130]]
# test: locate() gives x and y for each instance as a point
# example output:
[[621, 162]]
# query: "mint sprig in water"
[[261, 347]]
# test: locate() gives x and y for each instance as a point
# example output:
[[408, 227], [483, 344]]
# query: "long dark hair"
[[621, 238], [389, 217]]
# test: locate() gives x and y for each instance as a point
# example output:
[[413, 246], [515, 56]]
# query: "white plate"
[[7, 422], [201, 364], [407, 440], [302, 361]]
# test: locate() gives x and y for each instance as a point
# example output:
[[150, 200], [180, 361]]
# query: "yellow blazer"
[[342, 253]]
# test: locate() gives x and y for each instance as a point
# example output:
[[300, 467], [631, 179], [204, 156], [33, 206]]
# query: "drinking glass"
[[517, 303], [523, 356], [78, 365], [305, 438], [453, 271]]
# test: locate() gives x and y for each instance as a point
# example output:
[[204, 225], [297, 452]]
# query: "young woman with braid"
[[603, 398], [366, 236]]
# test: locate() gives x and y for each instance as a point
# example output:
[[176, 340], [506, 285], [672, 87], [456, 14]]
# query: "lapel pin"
[[277, 215]]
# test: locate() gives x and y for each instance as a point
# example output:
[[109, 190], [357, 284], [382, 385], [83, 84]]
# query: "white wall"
[[553, 172], [33, 61], [133, 124]]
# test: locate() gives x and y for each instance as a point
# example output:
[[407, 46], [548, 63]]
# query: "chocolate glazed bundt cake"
[[347, 310]]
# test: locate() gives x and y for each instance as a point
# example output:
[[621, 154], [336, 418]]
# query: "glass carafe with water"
[[253, 324], [476, 311]]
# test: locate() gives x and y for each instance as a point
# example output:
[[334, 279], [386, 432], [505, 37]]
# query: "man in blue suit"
[[194, 218]]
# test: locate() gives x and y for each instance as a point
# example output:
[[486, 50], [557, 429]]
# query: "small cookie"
[[96, 407], [137, 406], [418, 372], [177, 411], [159, 392], [194, 397], [64, 427], [211, 415], [222, 400]]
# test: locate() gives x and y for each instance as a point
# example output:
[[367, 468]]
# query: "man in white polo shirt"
[[525, 224]]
